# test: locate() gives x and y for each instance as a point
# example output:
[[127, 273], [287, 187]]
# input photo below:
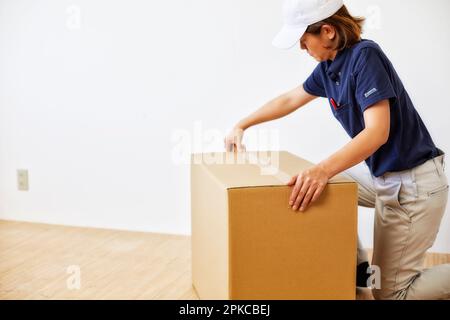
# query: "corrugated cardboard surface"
[[237, 170], [276, 253], [209, 235], [248, 244]]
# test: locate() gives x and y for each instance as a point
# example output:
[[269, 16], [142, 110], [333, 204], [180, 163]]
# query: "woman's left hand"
[[308, 185]]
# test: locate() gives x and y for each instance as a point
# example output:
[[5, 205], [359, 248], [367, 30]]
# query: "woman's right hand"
[[233, 141]]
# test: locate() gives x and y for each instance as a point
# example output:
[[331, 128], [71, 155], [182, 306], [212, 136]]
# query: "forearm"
[[359, 149], [278, 107], [274, 109]]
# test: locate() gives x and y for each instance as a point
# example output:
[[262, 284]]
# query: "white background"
[[95, 97]]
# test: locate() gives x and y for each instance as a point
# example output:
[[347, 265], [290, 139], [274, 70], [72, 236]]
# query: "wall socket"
[[22, 180]]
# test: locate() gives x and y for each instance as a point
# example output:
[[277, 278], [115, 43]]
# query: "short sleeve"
[[372, 77], [314, 83]]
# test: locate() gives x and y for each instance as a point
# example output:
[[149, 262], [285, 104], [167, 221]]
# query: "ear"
[[328, 31]]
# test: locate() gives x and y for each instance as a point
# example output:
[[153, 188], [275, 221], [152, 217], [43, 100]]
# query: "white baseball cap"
[[298, 15]]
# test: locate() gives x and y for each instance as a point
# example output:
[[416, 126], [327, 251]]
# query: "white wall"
[[92, 104]]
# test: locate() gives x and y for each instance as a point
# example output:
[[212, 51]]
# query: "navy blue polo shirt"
[[355, 80]]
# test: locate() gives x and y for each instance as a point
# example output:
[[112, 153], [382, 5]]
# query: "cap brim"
[[288, 37]]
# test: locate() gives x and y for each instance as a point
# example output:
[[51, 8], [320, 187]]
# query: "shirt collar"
[[333, 67]]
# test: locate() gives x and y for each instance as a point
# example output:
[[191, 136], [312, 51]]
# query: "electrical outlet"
[[22, 180]]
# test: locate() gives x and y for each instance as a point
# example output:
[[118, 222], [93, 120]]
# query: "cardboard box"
[[247, 243]]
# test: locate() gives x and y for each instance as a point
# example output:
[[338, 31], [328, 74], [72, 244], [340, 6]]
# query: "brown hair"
[[348, 28]]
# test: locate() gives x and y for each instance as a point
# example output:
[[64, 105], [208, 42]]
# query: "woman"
[[407, 184]]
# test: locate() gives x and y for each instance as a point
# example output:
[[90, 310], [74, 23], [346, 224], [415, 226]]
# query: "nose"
[[302, 45]]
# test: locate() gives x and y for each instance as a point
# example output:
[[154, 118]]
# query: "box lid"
[[256, 168]]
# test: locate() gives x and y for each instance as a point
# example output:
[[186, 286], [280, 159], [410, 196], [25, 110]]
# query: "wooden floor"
[[35, 260]]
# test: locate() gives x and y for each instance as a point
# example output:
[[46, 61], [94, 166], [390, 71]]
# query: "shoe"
[[361, 274]]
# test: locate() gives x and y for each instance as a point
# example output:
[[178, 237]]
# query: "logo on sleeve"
[[370, 92]]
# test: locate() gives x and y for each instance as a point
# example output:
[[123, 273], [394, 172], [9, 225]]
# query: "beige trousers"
[[409, 206]]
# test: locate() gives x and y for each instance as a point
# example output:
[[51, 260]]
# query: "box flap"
[[256, 168]]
